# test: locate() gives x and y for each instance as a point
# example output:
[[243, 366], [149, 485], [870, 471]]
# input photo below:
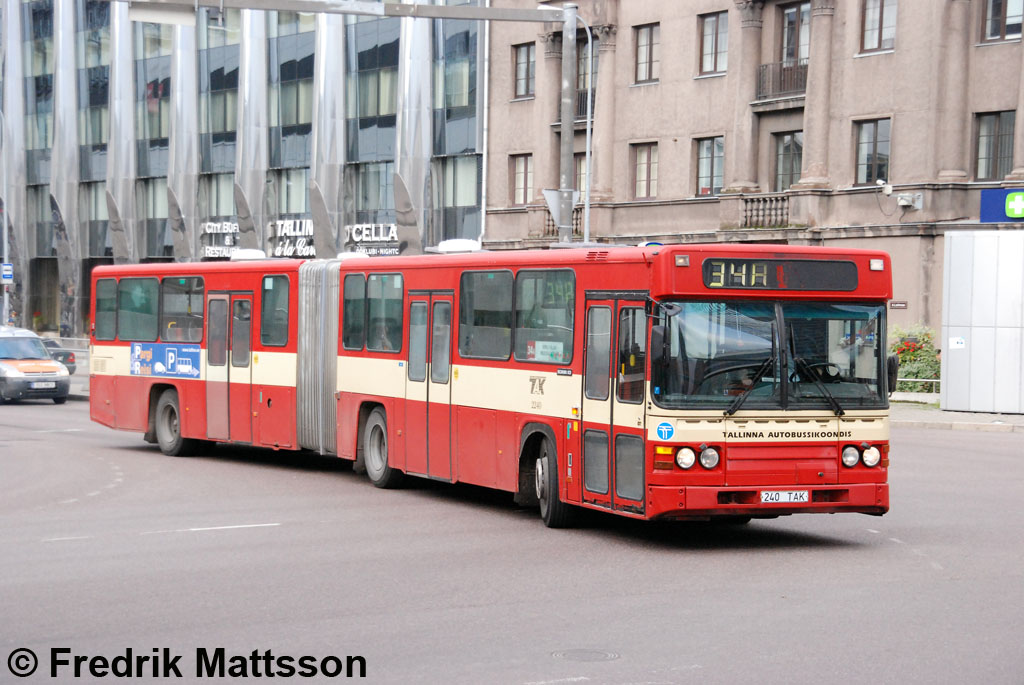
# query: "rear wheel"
[[168, 427], [375, 451], [554, 512]]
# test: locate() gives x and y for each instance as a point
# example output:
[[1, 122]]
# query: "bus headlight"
[[850, 456], [685, 457], [871, 456], [709, 457]]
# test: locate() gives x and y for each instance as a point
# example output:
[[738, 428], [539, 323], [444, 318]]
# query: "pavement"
[[907, 410]]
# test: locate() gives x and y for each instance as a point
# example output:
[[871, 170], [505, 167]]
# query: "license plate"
[[783, 496], [42, 385]]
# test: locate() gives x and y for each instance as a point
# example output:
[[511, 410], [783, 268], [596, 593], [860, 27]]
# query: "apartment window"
[[645, 171], [995, 145], [526, 69], [714, 41], [710, 163], [796, 33], [522, 174], [872, 151], [789, 148], [647, 40], [879, 25], [1003, 19], [580, 161]]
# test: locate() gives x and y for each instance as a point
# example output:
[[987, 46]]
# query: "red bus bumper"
[[702, 502]]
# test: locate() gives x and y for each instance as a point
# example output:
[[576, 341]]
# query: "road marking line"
[[68, 501], [61, 430], [872, 530], [80, 537], [244, 525], [577, 679], [897, 541], [209, 528], [92, 494]]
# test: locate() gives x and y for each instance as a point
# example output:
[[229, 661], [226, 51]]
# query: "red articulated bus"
[[680, 382]]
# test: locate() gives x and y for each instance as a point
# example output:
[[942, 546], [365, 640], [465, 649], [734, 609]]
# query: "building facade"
[[126, 141], [861, 123]]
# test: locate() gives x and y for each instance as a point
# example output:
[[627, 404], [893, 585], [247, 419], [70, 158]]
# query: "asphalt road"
[[106, 545]]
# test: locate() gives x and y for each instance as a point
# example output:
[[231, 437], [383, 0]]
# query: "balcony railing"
[[581, 104], [551, 229], [766, 211], [781, 79]]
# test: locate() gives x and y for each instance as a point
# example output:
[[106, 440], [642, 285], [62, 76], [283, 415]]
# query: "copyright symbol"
[[22, 662]]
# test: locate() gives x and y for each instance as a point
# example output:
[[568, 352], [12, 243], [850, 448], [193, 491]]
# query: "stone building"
[[860, 123]]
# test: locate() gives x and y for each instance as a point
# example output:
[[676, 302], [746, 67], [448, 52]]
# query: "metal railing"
[[781, 78], [581, 104], [766, 211], [920, 380]]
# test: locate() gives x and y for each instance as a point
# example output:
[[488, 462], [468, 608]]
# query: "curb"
[[960, 426]]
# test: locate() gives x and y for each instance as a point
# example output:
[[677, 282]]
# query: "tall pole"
[[3, 190], [590, 128], [565, 176]]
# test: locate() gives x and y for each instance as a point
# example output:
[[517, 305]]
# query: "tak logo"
[[1015, 205], [537, 385]]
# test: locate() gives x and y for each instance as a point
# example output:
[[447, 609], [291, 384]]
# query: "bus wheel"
[[168, 426], [375, 451], [554, 512]]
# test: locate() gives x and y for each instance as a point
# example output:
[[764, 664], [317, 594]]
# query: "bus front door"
[[428, 386], [613, 404], [228, 367]]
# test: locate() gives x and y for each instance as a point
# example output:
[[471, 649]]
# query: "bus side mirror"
[[657, 344]]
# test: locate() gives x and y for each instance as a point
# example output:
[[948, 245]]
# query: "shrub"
[[918, 357]]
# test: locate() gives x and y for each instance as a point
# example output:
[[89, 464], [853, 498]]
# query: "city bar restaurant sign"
[[294, 238]]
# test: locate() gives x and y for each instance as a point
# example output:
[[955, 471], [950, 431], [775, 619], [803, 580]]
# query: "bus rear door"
[[228, 367]]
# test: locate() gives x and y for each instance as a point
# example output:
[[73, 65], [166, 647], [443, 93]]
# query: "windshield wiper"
[[758, 375], [805, 369]]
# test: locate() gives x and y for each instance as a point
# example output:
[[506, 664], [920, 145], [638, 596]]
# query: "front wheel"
[[60, 400], [168, 427], [554, 512], [375, 451]]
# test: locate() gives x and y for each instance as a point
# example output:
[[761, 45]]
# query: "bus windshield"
[[796, 355]]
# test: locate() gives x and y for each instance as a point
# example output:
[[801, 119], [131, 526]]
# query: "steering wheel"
[[827, 372]]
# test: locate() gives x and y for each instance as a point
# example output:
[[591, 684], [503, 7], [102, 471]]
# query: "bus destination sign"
[[780, 274]]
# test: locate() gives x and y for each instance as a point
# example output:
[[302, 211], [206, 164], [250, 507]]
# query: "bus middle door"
[[428, 386]]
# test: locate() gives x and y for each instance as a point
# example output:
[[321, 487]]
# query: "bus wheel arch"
[[538, 475], [167, 426], [155, 392], [375, 453]]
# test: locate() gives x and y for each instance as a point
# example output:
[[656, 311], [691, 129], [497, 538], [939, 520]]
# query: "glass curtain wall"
[[153, 46], [219, 36], [371, 78], [92, 44], [457, 164]]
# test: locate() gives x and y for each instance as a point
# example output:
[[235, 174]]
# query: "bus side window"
[[106, 309], [181, 309], [274, 311], [632, 354], [353, 328]]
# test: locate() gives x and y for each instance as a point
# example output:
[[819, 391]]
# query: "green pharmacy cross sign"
[[1015, 205]]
